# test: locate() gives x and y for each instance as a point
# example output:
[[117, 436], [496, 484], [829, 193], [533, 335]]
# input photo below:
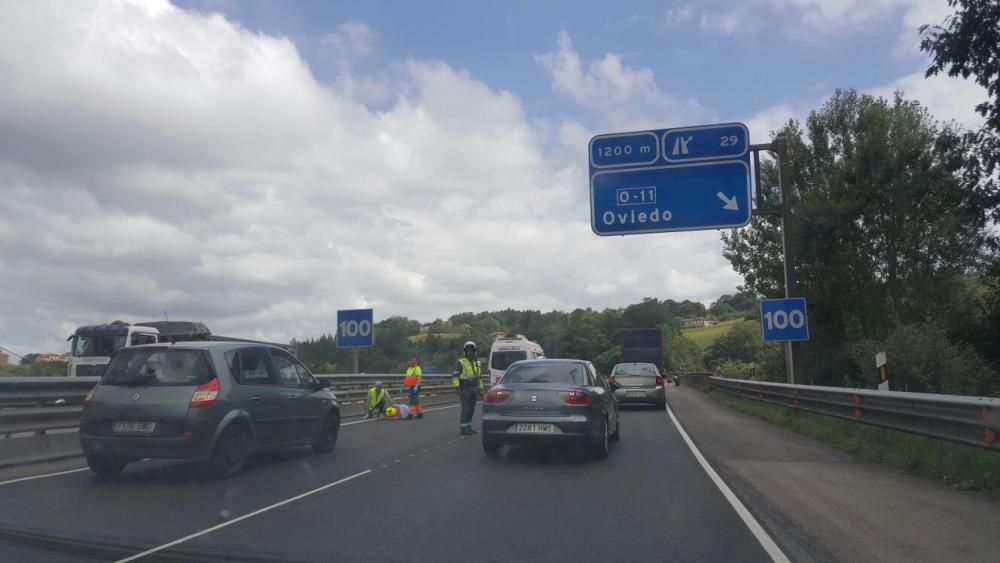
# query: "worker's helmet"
[[390, 411], [469, 344]]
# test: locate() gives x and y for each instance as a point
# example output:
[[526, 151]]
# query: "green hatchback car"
[[214, 401]]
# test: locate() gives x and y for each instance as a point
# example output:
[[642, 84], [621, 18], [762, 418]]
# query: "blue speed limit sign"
[[784, 319], [355, 328]]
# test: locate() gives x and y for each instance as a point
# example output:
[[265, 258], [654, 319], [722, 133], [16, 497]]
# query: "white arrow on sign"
[[731, 203]]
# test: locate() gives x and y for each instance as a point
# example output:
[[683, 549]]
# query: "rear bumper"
[[499, 428], [627, 396], [196, 446]]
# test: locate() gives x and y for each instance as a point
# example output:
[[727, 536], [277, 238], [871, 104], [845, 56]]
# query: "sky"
[[259, 165]]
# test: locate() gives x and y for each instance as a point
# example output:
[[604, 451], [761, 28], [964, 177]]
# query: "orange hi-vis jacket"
[[414, 376]]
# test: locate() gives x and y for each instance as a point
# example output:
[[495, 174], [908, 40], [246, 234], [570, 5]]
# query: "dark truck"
[[644, 346]]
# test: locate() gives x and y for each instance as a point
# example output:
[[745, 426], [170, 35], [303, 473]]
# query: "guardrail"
[[39, 404], [974, 421]]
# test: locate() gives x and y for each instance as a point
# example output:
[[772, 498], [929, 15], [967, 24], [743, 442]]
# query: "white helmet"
[[469, 344]]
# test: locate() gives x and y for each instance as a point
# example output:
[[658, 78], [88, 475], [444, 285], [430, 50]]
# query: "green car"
[[212, 401]]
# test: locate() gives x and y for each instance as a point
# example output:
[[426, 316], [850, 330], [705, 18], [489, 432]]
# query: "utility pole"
[[793, 354]]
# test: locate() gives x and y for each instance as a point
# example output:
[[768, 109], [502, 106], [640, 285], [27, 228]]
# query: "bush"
[[922, 358]]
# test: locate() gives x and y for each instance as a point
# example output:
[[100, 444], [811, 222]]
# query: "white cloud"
[[154, 159], [352, 38], [676, 16], [622, 96], [812, 21]]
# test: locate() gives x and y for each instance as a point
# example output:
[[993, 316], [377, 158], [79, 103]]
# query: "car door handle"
[[292, 397], [256, 398]]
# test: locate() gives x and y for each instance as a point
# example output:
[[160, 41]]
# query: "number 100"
[[781, 320]]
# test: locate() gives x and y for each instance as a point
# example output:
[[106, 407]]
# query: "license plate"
[[534, 428], [131, 427], [635, 394]]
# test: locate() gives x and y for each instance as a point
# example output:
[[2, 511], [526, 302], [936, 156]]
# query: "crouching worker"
[[378, 398]]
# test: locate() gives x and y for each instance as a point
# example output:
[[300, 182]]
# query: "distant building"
[[48, 357], [699, 322], [4, 360]]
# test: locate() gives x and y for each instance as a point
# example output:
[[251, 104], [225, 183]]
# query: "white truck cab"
[[510, 348], [93, 345]]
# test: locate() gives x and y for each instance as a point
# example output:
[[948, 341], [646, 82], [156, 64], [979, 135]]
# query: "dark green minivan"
[[212, 401]]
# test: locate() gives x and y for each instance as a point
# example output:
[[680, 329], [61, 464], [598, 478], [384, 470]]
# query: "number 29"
[[730, 141]]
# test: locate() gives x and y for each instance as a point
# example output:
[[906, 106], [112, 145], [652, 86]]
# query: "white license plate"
[[535, 428], [131, 427], [635, 394]]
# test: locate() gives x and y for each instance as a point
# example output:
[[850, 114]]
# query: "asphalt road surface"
[[398, 491]]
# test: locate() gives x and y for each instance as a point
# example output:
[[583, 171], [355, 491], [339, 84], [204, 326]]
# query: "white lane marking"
[[43, 475], [241, 518], [756, 529], [58, 473]]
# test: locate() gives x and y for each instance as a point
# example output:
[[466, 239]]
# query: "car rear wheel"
[[328, 435], [600, 447], [230, 452], [662, 406], [491, 448], [617, 435], [106, 466]]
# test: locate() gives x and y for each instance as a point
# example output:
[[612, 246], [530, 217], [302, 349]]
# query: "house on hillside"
[[700, 322]]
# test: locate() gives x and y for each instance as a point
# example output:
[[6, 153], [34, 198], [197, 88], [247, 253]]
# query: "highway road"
[[395, 491], [722, 486]]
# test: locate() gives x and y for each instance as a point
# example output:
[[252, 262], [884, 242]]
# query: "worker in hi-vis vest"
[[414, 377], [378, 398], [467, 379]]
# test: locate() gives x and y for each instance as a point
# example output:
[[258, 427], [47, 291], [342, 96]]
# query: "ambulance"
[[510, 348]]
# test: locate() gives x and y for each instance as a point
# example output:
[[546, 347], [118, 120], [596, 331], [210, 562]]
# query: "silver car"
[[639, 384], [551, 402]]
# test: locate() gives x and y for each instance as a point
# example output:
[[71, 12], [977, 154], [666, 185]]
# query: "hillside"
[[704, 337]]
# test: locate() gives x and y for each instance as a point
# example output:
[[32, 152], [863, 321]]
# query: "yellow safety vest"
[[374, 396], [470, 370]]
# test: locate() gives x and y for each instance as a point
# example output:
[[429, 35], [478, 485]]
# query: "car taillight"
[[577, 398], [206, 395], [90, 395], [659, 380], [497, 396]]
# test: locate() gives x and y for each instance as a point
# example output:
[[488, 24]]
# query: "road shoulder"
[[820, 505]]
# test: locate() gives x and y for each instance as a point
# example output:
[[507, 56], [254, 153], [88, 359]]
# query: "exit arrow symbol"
[[730, 203]]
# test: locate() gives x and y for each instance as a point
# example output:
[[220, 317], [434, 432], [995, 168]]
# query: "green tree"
[[968, 45], [742, 342], [681, 353], [884, 223]]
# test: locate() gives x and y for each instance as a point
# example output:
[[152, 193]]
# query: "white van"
[[510, 348]]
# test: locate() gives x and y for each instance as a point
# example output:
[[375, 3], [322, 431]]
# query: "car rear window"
[[570, 374], [502, 360], [158, 367], [635, 369]]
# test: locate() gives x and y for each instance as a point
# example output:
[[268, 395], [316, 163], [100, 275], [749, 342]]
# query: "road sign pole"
[[793, 355], [356, 353]]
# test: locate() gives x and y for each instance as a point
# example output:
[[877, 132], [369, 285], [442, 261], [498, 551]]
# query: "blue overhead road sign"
[[355, 328], [664, 180], [782, 320]]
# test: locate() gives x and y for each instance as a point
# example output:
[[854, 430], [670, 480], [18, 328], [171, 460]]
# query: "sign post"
[[355, 329]]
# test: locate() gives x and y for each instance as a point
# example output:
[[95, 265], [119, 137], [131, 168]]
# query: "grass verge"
[[964, 467]]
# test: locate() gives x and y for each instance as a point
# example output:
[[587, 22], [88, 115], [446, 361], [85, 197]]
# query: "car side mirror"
[[321, 384]]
